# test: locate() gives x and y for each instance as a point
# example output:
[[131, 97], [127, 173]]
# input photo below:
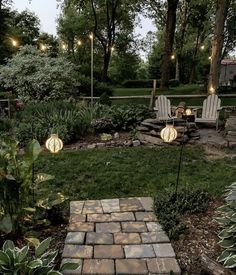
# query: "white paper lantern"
[[54, 144], [169, 133]]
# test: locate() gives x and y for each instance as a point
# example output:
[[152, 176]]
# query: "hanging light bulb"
[[79, 42], [172, 57], [91, 35]]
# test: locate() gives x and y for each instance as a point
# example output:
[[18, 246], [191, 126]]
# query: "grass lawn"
[[124, 172]]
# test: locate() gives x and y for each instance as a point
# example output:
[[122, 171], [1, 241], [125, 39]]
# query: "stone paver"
[[98, 217], [139, 251], [99, 238], [123, 216], [77, 218], [75, 238], [77, 251], [145, 216], [111, 205], [164, 250], [127, 238], [81, 226], [76, 207], [131, 266], [153, 226], [155, 237], [163, 266], [110, 227], [134, 227], [108, 251], [117, 236], [99, 267], [147, 203], [131, 204], [91, 207]]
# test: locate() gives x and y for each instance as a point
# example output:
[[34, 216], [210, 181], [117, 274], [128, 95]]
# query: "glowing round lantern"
[[169, 134], [54, 144], [188, 112]]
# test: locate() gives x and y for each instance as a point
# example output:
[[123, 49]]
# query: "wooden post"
[[153, 95]]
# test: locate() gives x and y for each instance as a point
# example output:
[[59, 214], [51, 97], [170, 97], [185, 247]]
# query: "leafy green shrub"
[[169, 209], [21, 192], [98, 89], [21, 261], [147, 83], [105, 99], [69, 120], [123, 117], [141, 83], [5, 127], [227, 219], [34, 76]]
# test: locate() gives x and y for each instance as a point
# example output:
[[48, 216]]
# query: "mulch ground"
[[201, 239]]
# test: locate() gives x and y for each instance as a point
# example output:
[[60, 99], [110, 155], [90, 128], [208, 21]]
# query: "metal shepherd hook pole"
[[91, 38]]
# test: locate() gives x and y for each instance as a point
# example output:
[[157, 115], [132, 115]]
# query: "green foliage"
[[147, 83], [105, 99], [23, 27], [227, 219], [99, 87], [34, 76], [120, 117], [169, 209], [18, 184], [142, 83], [69, 120], [14, 260]]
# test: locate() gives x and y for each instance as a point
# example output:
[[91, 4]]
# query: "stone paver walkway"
[[118, 236]]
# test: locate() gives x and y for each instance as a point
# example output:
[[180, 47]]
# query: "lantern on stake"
[[169, 133], [54, 144]]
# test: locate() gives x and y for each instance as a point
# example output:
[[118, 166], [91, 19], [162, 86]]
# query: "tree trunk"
[[177, 68], [169, 41], [106, 62], [193, 69], [180, 43], [217, 45]]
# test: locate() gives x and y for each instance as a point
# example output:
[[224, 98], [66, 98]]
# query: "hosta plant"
[[22, 193], [227, 219], [23, 261]]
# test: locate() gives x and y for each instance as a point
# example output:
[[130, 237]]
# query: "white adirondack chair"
[[163, 108], [210, 110]]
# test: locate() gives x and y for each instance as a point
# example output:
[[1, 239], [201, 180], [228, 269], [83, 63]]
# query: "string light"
[[79, 42], [209, 58], [172, 57], [212, 89], [112, 49], [202, 48], [43, 47], [14, 42], [91, 36], [63, 46]]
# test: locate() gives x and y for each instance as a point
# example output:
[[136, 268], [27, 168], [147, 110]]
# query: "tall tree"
[[106, 19], [217, 44], [169, 41]]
